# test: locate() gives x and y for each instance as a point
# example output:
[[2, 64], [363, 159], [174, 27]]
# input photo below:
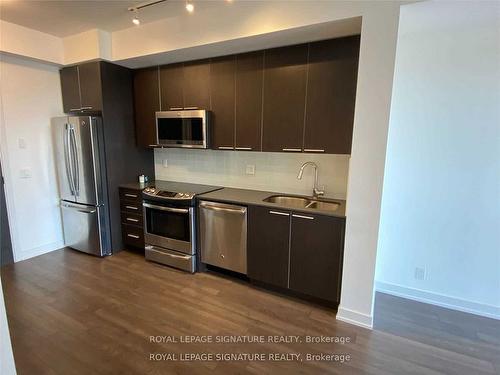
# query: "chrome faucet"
[[316, 191]]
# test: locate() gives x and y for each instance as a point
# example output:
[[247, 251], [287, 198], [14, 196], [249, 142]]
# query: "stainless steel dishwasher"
[[223, 235]]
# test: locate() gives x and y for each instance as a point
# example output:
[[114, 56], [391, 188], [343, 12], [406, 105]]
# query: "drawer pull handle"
[[132, 207], [190, 107], [132, 220], [133, 236], [176, 108], [292, 149], [244, 148], [225, 148], [279, 213], [74, 109], [131, 195], [303, 217], [313, 150]]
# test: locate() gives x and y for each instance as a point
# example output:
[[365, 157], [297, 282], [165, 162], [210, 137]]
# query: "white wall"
[[30, 95], [441, 199], [7, 365], [273, 171]]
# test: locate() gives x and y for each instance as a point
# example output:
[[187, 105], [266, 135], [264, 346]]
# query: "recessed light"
[[189, 7], [136, 21]]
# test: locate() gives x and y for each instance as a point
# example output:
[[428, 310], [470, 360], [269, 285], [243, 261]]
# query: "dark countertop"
[[256, 197], [136, 185]]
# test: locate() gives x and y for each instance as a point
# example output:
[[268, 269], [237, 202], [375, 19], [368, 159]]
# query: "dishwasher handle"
[[223, 207]]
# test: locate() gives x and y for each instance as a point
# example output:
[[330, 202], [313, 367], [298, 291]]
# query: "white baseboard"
[[36, 251], [354, 317], [437, 299]]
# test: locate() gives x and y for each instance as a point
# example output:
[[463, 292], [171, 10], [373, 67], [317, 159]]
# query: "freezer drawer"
[[170, 258], [84, 228], [223, 235]]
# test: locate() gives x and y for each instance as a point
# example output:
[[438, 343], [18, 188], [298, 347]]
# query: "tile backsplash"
[[273, 171]]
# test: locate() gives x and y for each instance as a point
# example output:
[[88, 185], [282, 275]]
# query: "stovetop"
[[176, 191]]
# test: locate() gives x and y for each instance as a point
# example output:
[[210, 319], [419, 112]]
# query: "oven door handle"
[[169, 209]]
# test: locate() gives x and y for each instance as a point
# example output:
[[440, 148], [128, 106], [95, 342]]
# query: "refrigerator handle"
[[76, 167], [68, 160]]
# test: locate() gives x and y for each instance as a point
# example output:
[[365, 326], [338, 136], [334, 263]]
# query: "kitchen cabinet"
[[298, 251], [248, 106], [81, 88], [146, 103], [268, 245], [316, 245], [131, 217], [171, 86], [222, 93], [285, 76], [197, 84], [70, 89], [331, 95]]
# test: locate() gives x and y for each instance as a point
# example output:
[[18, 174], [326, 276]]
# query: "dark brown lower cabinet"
[[268, 245], [132, 218], [296, 251], [316, 255]]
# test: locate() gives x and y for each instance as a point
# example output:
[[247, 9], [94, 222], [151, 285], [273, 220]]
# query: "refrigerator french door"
[[81, 174]]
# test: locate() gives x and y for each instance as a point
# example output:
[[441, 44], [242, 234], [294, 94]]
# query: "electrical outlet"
[[165, 163], [419, 273], [250, 169], [25, 173]]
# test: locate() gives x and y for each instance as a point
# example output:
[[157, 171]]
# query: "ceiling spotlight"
[[136, 21], [189, 7]]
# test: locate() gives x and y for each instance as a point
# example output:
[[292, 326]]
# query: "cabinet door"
[[316, 255], [197, 84], [249, 79], [284, 98], [268, 245], [171, 84], [331, 94], [70, 89], [222, 71], [146, 103], [90, 86]]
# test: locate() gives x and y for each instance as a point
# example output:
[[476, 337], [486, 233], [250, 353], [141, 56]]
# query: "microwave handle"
[[170, 209]]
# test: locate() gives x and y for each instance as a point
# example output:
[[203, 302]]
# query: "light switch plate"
[[165, 163], [21, 143], [250, 169]]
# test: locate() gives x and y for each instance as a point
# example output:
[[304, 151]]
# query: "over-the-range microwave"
[[183, 128]]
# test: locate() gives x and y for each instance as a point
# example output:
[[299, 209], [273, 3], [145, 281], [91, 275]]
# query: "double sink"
[[291, 201]]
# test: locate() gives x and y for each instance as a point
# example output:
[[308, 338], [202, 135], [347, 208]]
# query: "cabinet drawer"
[[130, 195], [132, 219], [131, 207], [133, 235]]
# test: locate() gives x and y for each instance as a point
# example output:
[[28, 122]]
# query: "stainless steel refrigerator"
[[81, 174]]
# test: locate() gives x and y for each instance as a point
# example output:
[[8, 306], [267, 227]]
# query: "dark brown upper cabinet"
[[331, 95], [268, 245], [248, 109], [70, 89], [222, 88], [172, 87], [90, 86], [146, 103], [81, 88], [316, 248], [285, 78], [197, 84]]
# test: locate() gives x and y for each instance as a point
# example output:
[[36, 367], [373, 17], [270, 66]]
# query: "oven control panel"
[[152, 191]]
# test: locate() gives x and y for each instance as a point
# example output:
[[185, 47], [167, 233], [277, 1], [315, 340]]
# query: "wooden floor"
[[70, 313]]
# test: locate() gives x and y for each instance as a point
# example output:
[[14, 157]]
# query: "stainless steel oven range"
[[170, 231]]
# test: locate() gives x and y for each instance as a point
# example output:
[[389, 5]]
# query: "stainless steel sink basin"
[[322, 205], [288, 201], [291, 201]]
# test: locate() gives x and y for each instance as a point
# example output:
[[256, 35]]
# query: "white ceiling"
[[68, 17]]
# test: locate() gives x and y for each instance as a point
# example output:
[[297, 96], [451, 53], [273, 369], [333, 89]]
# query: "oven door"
[[169, 227], [182, 128]]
